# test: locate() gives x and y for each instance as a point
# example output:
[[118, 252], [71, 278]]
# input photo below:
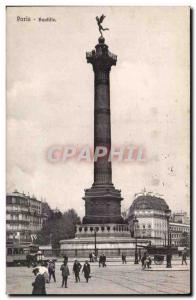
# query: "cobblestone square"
[[114, 279]]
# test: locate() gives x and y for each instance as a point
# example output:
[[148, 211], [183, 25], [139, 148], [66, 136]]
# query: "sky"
[[50, 101]]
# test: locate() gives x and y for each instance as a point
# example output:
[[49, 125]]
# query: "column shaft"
[[102, 125]]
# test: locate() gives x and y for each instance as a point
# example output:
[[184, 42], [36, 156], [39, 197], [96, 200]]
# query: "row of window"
[[17, 227], [160, 213], [174, 235], [17, 217], [157, 225], [18, 208], [22, 227], [177, 243], [23, 218], [23, 202], [143, 226], [181, 229]]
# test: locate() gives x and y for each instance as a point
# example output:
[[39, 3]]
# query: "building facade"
[[148, 218], [23, 217], [180, 234], [180, 217]]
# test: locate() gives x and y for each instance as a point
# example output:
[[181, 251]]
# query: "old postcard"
[[98, 151]]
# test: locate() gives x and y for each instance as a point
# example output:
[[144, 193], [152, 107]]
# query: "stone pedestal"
[[112, 244]]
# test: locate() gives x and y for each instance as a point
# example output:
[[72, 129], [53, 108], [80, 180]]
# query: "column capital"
[[101, 58]]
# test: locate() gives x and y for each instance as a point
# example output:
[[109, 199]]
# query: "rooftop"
[[148, 202]]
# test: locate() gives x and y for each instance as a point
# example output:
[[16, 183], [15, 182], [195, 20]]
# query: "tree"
[[58, 227], [72, 215]]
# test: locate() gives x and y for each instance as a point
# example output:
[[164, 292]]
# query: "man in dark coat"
[[65, 273], [39, 287], [51, 270], [76, 269], [91, 257], [124, 261], [104, 260], [65, 259], [86, 269], [100, 260], [184, 256], [143, 260]]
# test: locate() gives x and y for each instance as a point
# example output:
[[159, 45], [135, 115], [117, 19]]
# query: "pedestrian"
[[65, 273], [51, 270], [124, 261], [86, 270], [184, 256], [76, 269], [44, 271], [93, 257], [39, 287], [65, 259], [100, 260], [90, 256], [140, 255], [103, 260], [28, 260], [148, 262], [168, 259], [143, 260]]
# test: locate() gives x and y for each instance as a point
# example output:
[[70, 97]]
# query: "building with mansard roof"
[[152, 218]]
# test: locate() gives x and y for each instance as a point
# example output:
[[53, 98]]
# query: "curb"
[[166, 269]]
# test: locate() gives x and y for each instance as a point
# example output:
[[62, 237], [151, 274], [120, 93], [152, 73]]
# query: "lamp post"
[[135, 223], [168, 213], [170, 239], [95, 236], [165, 239], [51, 239], [169, 253]]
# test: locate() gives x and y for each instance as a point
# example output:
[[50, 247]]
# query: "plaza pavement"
[[114, 279]]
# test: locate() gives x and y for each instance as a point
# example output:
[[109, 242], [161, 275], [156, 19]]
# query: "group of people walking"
[[43, 274], [102, 258], [145, 259]]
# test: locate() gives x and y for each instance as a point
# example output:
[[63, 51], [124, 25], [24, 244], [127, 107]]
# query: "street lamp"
[[135, 224], [169, 253], [168, 213], [95, 236], [51, 239]]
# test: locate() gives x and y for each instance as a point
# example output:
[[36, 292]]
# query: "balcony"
[[17, 221]]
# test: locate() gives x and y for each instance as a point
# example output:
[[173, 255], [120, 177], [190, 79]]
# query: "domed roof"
[[148, 202]]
